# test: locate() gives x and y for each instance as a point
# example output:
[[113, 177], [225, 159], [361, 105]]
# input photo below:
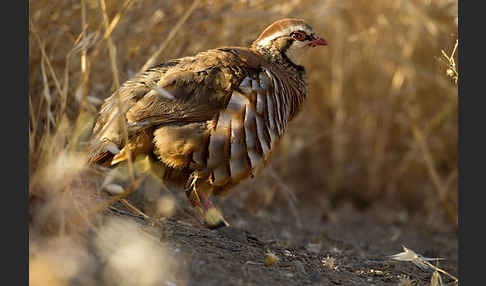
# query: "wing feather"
[[200, 87]]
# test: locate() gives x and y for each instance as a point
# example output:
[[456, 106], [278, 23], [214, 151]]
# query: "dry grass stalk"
[[64, 94], [448, 110], [436, 279], [432, 169], [111, 46], [32, 128], [121, 113], [431, 125], [109, 29], [81, 90], [452, 70], [117, 18], [420, 261], [132, 208], [151, 61], [336, 94], [48, 98], [45, 57]]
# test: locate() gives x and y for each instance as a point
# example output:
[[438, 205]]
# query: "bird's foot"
[[211, 215]]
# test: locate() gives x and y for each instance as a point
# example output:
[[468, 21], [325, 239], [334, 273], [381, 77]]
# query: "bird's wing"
[[190, 89]]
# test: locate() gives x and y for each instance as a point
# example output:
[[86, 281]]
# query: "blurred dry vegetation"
[[380, 122]]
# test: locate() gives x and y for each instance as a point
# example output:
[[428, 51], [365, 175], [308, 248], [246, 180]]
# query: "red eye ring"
[[299, 36]]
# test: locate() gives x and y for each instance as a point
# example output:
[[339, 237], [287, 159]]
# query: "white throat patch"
[[296, 51]]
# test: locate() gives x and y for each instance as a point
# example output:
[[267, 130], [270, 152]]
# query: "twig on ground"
[[420, 261], [134, 209]]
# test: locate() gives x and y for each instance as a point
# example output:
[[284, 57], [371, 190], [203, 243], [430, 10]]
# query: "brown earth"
[[340, 246], [314, 243]]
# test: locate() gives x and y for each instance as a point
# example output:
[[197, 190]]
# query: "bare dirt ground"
[[313, 243], [340, 246]]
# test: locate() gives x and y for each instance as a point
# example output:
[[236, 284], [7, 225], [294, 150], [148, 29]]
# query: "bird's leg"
[[208, 204], [193, 196]]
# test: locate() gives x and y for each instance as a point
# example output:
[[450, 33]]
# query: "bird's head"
[[288, 39]]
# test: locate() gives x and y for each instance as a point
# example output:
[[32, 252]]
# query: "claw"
[[213, 217]]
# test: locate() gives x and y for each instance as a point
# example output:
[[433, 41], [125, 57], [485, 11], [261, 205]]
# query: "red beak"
[[317, 41]]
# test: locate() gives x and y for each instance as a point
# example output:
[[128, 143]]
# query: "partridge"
[[213, 119]]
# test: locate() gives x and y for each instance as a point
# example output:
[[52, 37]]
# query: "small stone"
[[289, 275], [270, 258]]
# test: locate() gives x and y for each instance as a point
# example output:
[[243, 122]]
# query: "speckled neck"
[[278, 57]]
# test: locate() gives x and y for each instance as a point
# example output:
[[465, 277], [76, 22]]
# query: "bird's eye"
[[299, 36]]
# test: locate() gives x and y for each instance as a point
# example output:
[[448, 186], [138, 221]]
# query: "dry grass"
[[380, 122], [423, 263]]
